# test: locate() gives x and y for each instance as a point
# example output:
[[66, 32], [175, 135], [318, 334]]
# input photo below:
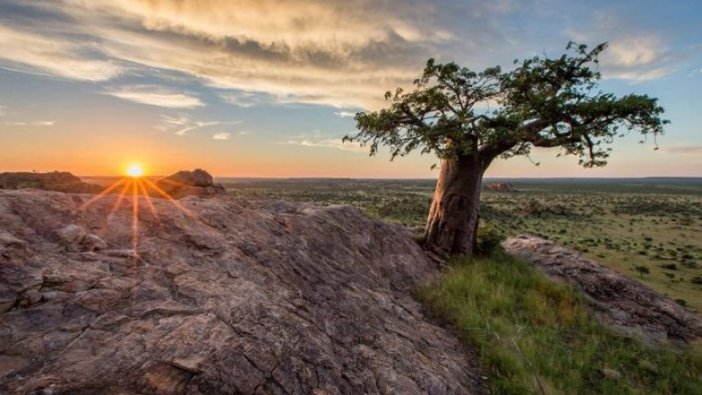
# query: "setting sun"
[[135, 170]]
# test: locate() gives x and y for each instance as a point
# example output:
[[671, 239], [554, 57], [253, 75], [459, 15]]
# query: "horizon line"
[[415, 178]]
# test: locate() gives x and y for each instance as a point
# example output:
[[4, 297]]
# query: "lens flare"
[[141, 189]]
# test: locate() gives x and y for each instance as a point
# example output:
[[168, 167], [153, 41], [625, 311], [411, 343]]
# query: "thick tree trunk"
[[453, 218]]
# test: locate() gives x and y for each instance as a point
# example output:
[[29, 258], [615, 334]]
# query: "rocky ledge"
[[619, 302], [220, 295], [54, 181]]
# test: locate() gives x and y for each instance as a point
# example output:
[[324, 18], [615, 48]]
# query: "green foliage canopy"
[[454, 111]]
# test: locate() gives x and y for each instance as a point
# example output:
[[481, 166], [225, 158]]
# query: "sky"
[[262, 88]]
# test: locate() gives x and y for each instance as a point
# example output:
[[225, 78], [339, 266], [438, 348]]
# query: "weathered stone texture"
[[231, 296]]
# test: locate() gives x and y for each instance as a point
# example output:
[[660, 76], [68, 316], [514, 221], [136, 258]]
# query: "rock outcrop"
[[54, 181], [619, 302], [502, 187], [191, 183], [219, 296]]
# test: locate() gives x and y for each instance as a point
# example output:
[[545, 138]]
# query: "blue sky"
[[265, 88]]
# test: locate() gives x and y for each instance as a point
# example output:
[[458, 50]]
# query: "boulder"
[[195, 178], [76, 238], [623, 304], [191, 183], [71, 234], [220, 296]]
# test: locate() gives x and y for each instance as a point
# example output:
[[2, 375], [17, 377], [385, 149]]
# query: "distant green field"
[[648, 228]]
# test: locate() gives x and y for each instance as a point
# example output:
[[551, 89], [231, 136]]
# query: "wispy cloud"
[[169, 122], [325, 142], [155, 96], [634, 53], [245, 99], [196, 125], [31, 123], [182, 124], [345, 114], [221, 136], [638, 58], [244, 132]]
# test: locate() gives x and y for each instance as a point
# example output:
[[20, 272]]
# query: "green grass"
[[529, 330]]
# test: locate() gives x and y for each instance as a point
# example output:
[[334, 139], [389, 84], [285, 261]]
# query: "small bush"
[[489, 239], [670, 266], [642, 270], [690, 264]]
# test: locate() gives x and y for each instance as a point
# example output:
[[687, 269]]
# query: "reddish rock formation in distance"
[[503, 187]]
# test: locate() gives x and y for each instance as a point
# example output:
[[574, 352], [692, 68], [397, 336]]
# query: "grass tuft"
[[535, 335]]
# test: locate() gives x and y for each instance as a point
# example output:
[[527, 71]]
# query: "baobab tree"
[[470, 118]]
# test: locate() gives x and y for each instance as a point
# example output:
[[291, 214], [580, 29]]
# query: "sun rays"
[[135, 187]]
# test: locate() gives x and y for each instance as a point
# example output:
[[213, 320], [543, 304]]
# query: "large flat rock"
[[619, 302], [222, 296]]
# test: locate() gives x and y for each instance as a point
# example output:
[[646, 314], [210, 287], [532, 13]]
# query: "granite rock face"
[[219, 296], [191, 183], [619, 302]]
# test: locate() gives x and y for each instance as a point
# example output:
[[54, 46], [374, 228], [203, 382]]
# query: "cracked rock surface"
[[222, 296], [619, 302]]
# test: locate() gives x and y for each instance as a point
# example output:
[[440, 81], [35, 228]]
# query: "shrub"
[[690, 264], [489, 239], [642, 270]]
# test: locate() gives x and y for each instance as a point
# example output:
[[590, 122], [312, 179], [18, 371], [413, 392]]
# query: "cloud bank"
[[336, 53]]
